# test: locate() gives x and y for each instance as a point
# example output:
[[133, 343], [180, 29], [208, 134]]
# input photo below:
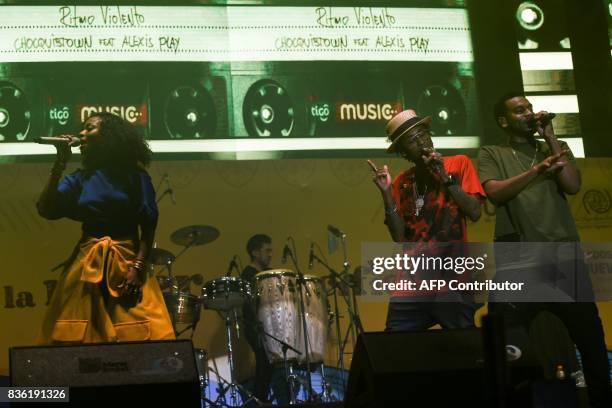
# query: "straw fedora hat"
[[400, 124]]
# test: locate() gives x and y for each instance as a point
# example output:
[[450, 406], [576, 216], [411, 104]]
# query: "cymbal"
[[194, 235], [160, 256]]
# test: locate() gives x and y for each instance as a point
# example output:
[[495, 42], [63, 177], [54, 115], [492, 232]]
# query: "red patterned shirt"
[[439, 220]]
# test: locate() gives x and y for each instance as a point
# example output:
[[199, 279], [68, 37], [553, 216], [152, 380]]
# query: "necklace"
[[419, 200], [537, 149]]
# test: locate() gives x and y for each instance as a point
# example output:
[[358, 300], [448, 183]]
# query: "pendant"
[[420, 202]]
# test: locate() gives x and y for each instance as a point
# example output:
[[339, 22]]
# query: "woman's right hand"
[[64, 150], [382, 177]]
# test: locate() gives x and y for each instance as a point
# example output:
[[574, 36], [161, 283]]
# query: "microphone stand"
[[352, 308], [185, 248], [338, 280], [167, 191], [301, 284], [290, 378]]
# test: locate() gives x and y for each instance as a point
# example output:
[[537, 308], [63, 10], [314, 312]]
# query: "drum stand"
[[232, 386], [176, 290], [291, 377]]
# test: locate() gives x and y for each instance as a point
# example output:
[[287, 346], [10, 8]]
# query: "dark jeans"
[[423, 315], [584, 327], [263, 368]]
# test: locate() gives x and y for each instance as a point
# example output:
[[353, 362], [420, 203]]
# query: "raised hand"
[[543, 125], [433, 162], [382, 177]]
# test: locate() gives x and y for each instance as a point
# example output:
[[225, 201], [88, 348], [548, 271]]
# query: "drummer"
[[259, 248]]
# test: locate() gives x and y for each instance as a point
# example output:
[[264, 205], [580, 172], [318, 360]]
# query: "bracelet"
[[393, 210], [138, 264]]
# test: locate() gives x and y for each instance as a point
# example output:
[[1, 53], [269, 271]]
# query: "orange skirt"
[[78, 312]]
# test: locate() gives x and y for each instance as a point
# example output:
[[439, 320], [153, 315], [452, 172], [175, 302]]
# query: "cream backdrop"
[[240, 198]]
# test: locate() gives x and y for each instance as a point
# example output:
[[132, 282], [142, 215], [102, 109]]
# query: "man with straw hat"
[[427, 204]]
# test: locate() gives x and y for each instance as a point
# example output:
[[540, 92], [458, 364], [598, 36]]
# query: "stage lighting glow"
[[530, 16], [267, 114], [192, 117], [443, 114], [4, 117], [544, 61], [555, 103], [259, 145]]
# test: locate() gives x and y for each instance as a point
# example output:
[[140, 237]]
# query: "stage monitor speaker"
[[148, 373], [433, 368]]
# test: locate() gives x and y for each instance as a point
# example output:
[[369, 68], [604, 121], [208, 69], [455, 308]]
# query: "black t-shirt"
[[249, 309], [248, 274]]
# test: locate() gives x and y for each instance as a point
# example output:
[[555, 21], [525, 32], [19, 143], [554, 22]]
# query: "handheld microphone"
[[311, 256], [336, 231], [544, 120], [55, 141]]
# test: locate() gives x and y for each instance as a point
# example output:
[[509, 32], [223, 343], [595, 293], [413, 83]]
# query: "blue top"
[[108, 203]]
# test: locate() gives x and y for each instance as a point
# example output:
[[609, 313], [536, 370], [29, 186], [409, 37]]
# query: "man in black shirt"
[[259, 248]]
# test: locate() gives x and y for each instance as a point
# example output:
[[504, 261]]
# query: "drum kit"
[[293, 315]]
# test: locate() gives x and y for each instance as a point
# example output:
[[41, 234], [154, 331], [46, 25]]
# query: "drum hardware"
[[189, 236], [222, 389], [160, 257], [201, 357], [231, 386], [225, 294], [326, 388], [291, 378], [183, 307], [165, 258], [194, 235]]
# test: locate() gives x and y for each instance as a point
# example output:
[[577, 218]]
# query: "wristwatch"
[[452, 181]]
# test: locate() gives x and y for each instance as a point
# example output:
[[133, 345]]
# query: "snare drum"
[[183, 307], [225, 293]]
